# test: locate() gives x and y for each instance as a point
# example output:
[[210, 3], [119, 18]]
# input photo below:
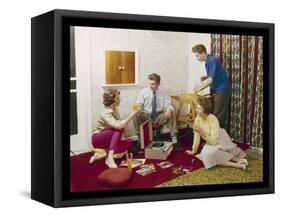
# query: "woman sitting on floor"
[[110, 128], [219, 149]]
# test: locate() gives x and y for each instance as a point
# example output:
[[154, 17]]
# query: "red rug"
[[83, 175]]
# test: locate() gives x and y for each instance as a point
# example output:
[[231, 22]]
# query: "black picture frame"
[[50, 106]]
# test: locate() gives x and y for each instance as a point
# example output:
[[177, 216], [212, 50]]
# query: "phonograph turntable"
[[159, 150]]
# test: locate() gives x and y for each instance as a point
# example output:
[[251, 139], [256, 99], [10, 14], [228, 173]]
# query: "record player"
[[158, 150]]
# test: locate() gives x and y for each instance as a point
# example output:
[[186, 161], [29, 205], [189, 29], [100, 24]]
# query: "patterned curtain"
[[242, 57]]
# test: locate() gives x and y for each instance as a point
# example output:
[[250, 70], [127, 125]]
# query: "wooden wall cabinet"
[[120, 67]]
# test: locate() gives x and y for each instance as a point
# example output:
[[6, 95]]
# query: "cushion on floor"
[[115, 177]]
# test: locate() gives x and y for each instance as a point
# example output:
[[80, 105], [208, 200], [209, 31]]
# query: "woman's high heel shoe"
[[97, 156], [243, 161]]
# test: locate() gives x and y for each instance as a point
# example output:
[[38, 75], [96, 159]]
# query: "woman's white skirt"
[[222, 152]]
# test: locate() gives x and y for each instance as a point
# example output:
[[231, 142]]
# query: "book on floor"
[[135, 163], [165, 164], [146, 169]]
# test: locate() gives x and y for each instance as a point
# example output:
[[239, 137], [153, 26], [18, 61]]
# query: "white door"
[[81, 141]]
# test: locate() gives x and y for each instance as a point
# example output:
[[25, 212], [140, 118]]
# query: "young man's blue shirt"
[[216, 71]]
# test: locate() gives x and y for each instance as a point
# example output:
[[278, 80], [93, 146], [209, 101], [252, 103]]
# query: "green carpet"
[[220, 175]]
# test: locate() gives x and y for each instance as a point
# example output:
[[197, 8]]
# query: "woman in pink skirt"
[[110, 127]]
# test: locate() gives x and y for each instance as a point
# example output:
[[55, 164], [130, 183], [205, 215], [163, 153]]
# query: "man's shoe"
[[178, 147], [136, 148]]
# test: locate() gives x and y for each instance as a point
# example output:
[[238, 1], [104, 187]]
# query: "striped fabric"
[[242, 57]]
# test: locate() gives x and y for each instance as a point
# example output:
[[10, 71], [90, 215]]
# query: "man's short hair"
[[154, 77], [109, 96], [206, 104], [199, 48]]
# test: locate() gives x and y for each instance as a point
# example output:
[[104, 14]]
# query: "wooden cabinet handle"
[[121, 68]]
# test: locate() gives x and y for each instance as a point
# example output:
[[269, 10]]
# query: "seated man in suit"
[[156, 105]]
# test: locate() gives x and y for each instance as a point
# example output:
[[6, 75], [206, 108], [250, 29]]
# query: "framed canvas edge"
[[59, 201]]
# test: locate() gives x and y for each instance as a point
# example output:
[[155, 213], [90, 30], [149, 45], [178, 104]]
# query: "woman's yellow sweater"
[[212, 129]]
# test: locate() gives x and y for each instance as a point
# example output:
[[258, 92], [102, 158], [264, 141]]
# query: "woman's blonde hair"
[[109, 96]]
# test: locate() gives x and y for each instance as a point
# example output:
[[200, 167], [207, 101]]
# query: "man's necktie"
[[154, 106]]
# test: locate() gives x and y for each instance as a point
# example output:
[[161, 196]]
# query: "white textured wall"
[[165, 53]]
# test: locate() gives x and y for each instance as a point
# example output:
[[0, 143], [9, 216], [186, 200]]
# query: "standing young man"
[[156, 104], [217, 80]]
